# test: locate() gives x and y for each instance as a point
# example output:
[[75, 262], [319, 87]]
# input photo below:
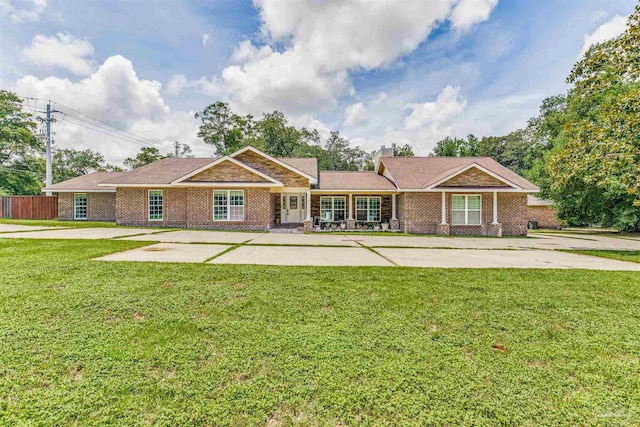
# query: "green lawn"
[[56, 223], [96, 343], [633, 256]]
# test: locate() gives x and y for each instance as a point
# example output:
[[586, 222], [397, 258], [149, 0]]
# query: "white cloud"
[[379, 98], [607, 31], [436, 114], [29, 12], [180, 82], [62, 51], [205, 39], [320, 42], [355, 114], [115, 95], [467, 13]]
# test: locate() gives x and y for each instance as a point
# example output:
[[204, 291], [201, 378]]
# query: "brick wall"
[[100, 206], [274, 170], [192, 208], [473, 178], [226, 172], [421, 213], [545, 215]]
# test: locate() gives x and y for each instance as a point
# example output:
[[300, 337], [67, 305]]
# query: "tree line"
[[583, 149]]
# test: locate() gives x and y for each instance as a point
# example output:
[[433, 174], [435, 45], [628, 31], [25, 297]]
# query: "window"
[[228, 205], [368, 209], [155, 205], [80, 206], [466, 210], [332, 208]]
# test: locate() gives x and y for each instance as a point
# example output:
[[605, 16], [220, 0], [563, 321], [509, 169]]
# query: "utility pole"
[[48, 181]]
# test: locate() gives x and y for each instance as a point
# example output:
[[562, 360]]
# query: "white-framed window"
[[228, 205], [333, 208], [368, 209], [466, 209], [156, 205], [80, 206]]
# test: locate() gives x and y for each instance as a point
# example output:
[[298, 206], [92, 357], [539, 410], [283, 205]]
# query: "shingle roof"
[[87, 182], [354, 181], [421, 172], [304, 164], [163, 171]]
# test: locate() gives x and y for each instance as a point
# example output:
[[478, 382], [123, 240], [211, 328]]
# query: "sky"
[[379, 71]]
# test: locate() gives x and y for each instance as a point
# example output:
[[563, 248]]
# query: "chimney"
[[382, 152]]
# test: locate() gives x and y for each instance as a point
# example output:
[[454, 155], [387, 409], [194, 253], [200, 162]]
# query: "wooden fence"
[[29, 207]]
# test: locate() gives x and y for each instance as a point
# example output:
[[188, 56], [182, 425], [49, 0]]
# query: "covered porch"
[[354, 211]]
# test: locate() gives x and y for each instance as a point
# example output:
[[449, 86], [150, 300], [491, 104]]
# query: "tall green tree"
[[225, 130], [21, 171], [403, 150], [69, 163], [144, 157], [277, 137], [180, 150], [600, 152]]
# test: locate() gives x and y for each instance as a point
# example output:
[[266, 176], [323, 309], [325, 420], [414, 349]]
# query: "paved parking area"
[[168, 252], [198, 236], [12, 228], [80, 233], [302, 255], [304, 239]]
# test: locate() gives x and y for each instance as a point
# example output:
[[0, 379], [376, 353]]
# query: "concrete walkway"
[[223, 247]]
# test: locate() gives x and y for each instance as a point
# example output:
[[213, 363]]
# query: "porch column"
[[444, 209], [309, 205], [394, 215], [495, 207], [350, 206]]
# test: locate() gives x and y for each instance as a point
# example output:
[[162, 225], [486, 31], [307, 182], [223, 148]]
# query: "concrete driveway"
[[223, 247]]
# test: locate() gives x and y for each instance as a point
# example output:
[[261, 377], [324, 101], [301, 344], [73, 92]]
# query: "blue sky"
[[378, 71]]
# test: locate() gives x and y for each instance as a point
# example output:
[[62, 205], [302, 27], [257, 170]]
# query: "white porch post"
[[309, 205], [444, 209], [393, 207], [495, 207], [350, 206]]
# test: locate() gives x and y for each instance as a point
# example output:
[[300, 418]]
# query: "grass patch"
[[633, 256], [106, 343], [56, 223]]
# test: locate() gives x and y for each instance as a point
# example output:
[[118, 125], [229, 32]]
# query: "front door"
[[291, 208]]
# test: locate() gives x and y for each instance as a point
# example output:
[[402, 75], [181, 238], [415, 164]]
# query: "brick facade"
[[385, 204], [226, 172], [100, 206], [192, 208], [545, 215], [421, 213]]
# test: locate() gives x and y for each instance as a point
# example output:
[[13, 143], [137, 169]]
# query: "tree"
[[402, 151], [600, 150], [180, 150], [457, 147], [20, 170], [277, 137], [69, 163], [225, 130], [144, 157]]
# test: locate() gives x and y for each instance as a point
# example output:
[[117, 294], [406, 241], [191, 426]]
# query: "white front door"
[[291, 209]]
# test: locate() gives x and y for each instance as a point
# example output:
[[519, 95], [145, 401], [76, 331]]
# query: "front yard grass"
[[96, 343], [633, 256], [56, 223]]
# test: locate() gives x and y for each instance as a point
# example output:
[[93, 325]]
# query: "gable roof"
[[313, 179], [416, 173], [88, 183], [220, 160], [364, 181], [308, 165]]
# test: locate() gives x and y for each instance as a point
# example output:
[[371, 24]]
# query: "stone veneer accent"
[[272, 169], [100, 206], [192, 208], [226, 172], [473, 177]]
